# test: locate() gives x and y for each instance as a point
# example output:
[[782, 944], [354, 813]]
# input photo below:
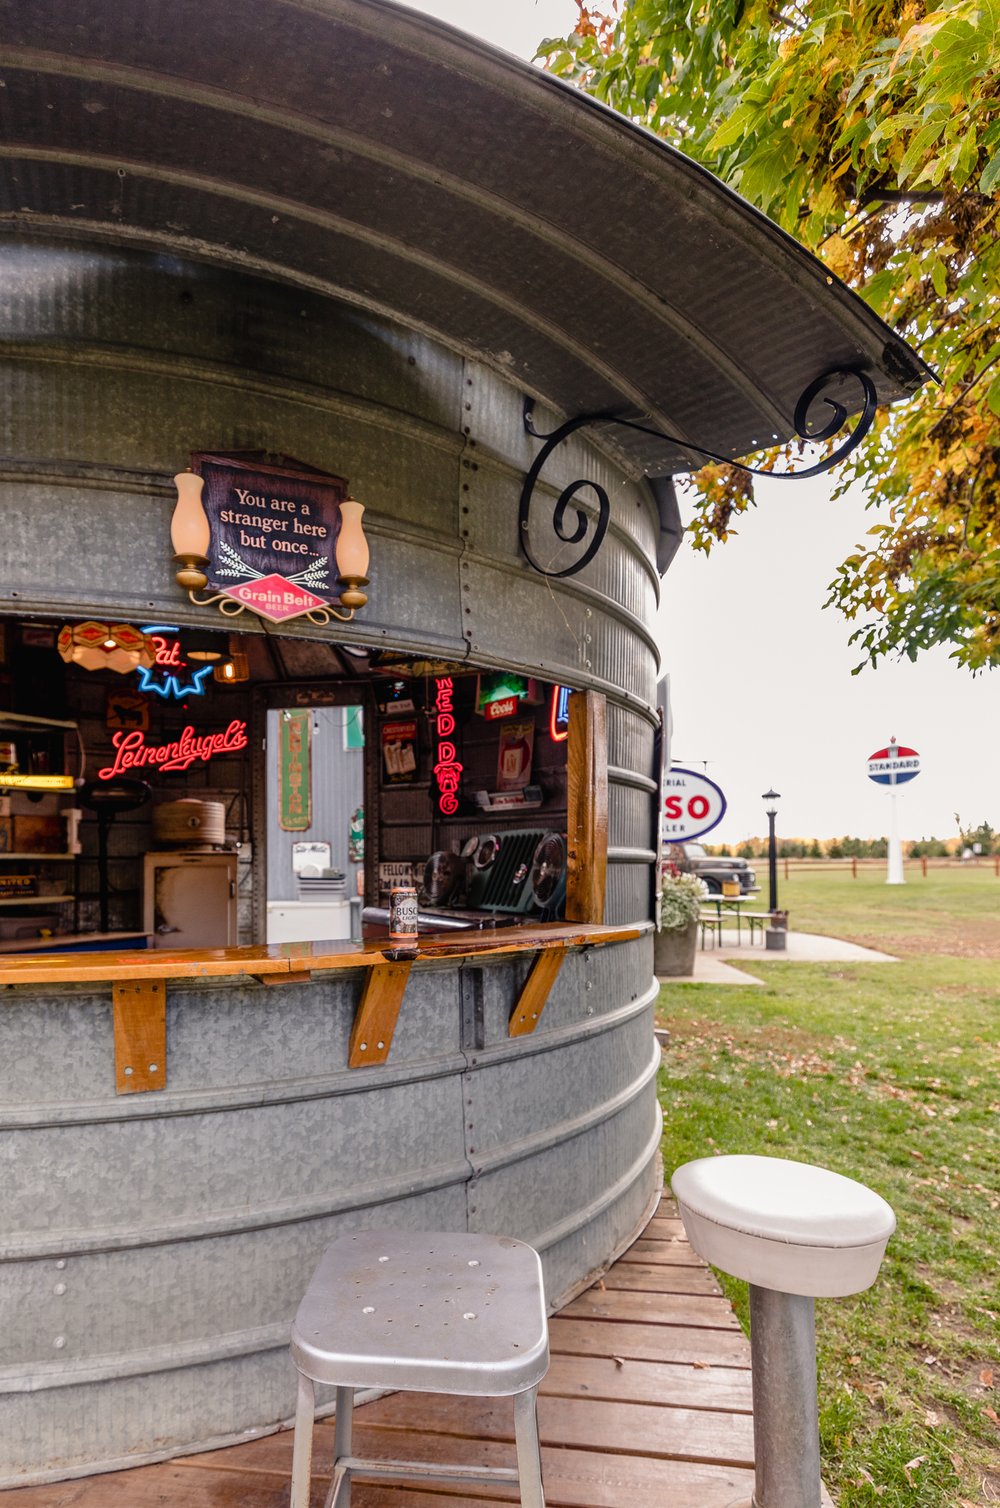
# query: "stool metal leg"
[[529, 1456], [785, 1409], [305, 1410], [340, 1486]]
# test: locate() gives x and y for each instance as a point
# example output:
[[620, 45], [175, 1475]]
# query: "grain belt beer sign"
[[893, 765], [274, 534], [692, 805]]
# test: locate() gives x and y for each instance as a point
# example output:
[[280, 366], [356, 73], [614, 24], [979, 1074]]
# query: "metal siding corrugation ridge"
[[542, 1240], [541, 1141], [618, 776], [322, 219], [655, 304], [334, 1086], [221, 374], [548, 98], [231, 1222], [181, 1354], [520, 78]]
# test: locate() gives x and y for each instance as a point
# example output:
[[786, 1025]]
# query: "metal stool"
[[428, 1313], [795, 1233]]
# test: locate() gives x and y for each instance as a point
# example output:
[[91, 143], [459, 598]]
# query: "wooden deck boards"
[[647, 1402]]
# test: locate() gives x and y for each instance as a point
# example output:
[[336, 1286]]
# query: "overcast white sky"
[[760, 675]]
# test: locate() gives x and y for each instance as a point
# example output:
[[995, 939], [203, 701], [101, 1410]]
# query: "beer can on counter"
[[403, 920]]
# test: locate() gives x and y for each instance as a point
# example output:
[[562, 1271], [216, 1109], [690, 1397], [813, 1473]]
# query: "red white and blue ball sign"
[[692, 805], [893, 765]]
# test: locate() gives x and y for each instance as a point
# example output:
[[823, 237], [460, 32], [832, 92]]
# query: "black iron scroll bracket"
[[803, 428]]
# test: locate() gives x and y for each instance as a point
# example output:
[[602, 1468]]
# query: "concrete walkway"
[[715, 965]]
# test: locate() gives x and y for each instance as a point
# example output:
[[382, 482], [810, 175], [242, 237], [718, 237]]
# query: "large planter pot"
[[674, 950]]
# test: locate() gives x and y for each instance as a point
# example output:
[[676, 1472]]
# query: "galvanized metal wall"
[[155, 1246], [117, 365]]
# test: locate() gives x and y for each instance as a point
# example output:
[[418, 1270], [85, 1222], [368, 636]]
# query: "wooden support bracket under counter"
[[139, 983]]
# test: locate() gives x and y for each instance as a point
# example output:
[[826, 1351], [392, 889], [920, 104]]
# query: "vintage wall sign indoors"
[[399, 752], [273, 535], [295, 771], [692, 805]]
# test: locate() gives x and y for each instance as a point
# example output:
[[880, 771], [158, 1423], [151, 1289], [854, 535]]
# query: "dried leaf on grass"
[[912, 1466]]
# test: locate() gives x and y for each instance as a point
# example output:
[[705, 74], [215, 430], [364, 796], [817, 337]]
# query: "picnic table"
[[736, 906], [710, 923]]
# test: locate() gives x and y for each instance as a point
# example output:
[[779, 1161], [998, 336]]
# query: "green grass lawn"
[[887, 1073], [955, 911]]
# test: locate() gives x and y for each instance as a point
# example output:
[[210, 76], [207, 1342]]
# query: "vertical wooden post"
[[587, 803]]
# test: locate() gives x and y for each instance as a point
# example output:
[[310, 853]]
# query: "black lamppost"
[[772, 798]]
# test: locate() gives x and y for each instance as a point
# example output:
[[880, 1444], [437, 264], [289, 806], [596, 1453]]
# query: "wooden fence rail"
[[799, 866]]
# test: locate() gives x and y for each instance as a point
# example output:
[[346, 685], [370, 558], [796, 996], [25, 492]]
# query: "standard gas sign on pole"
[[893, 766]]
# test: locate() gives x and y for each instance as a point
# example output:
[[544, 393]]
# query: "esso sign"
[[692, 805]]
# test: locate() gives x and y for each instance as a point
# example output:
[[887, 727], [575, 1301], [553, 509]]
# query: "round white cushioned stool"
[[795, 1233], [426, 1312]]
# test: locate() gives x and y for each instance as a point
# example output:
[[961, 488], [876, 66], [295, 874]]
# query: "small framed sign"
[[126, 709]]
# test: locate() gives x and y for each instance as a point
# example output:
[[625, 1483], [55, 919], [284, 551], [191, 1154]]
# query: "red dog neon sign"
[[447, 770]]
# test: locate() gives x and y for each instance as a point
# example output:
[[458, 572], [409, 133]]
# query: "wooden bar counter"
[[183, 1133], [296, 958]]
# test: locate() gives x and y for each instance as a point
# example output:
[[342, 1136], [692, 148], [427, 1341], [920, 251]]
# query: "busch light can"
[[403, 920]]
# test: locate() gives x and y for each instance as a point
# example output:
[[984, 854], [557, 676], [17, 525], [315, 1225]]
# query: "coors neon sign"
[[132, 752]]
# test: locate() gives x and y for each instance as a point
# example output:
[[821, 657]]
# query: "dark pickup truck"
[[691, 858]]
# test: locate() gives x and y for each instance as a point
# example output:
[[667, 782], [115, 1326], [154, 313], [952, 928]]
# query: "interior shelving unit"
[[45, 749]]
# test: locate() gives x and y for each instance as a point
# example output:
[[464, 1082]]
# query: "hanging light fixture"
[[204, 648], [352, 556], [234, 668], [190, 532], [105, 646]]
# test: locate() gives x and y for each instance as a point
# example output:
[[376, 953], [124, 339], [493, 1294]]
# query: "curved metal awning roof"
[[360, 149]]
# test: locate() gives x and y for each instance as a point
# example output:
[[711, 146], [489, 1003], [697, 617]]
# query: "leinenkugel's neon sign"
[[447, 770], [132, 752]]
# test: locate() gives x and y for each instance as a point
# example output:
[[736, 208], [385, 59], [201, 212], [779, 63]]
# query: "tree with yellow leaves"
[[870, 130]]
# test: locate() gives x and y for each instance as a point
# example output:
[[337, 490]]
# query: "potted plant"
[[676, 938]]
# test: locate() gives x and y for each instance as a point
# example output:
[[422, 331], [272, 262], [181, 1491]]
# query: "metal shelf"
[[61, 857], [35, 900], [23, 720]]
